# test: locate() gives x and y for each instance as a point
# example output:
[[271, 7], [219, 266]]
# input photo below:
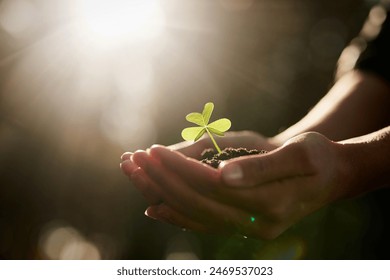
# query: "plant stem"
[[213, 140]]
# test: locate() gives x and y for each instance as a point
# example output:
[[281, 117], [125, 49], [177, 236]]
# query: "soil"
[[212, 158]]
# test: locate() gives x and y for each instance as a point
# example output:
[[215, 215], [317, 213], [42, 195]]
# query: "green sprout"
[[217, 127]]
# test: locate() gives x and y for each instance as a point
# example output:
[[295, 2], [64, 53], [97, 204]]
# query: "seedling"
[[217, 127]]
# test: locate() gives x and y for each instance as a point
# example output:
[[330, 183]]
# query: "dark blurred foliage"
[[264, 64]]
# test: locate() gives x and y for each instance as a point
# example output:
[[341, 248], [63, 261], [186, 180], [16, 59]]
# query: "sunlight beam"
[[120, 21]]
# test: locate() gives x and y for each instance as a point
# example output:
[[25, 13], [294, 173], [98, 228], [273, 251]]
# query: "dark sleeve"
[[376, 57]]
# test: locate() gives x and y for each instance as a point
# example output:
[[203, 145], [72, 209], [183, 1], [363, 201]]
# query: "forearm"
[[357, 104], [366, 162]]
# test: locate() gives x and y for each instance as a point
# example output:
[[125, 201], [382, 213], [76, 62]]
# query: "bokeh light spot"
[[66, 243], [182, 247]]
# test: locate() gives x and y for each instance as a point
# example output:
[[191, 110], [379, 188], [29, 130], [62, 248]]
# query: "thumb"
[[250, 171]]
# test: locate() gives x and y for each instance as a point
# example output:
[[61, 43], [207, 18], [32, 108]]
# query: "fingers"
[[184, 199], [173, 190], [147, 188], [128, 167], [186, 168], [190, 193], [139, 179], [206, 181]]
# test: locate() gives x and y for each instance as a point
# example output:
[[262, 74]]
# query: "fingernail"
[[153, 147], [126, 156], [157, 213], [150, 213], [232, 173]]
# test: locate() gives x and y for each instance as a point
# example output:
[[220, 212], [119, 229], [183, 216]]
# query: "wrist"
[[365, 164]]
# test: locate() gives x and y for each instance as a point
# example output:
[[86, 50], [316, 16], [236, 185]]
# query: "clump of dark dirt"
[[212, 158]]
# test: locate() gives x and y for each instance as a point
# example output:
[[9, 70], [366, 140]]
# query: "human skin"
[[263, 195]]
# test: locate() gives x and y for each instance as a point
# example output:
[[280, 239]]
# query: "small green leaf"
[[221, 125], [192, 133], [217, 127], [203, 131], [207, 111], [215, 131], [196, 118]]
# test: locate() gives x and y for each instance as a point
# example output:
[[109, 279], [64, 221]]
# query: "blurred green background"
[[81, 82]]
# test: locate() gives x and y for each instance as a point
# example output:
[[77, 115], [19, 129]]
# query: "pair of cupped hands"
[[258, 196]]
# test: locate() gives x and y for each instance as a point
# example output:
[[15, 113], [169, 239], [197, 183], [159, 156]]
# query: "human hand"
[[247, 139], [259, 196]]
